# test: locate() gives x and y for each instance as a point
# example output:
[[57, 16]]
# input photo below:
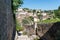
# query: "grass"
[[50, 21], [19, 28]]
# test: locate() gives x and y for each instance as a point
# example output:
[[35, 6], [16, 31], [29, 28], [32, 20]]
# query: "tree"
[[31, 18], [19, 28], [57, 13], [16, 4], [59, 8], [34, 11], [25, 8], [25, 21]]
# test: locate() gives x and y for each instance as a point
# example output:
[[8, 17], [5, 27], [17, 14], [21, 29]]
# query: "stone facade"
[[6, 20]]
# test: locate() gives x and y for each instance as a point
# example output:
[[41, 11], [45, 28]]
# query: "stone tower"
[[6, 20]]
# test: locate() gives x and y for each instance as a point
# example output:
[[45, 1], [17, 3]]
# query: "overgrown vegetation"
[[51, 20], [24, 33], [19, 28], [36, 38], [56, 16], [16, 4]]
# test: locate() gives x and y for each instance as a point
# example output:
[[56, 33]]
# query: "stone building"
[[6, 20]]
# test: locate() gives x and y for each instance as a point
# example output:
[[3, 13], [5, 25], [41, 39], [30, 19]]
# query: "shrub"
[[19, 28], [24, 33]]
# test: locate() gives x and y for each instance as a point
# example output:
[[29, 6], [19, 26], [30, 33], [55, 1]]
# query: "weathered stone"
[[6, 20], [53, 33]]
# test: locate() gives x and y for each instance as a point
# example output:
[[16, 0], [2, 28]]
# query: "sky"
[[41, 4]]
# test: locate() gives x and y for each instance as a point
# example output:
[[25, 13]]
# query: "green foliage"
[[39, 16], [36, 39], [19, 28], [25, 8], [57, 13], [28, 20], [59, 8], [51, 20], [34, 11], [16, 4], [31, 18], [24, 33], [25, 21]]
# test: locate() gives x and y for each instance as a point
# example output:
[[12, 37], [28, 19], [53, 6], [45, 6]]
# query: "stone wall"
[[53, 33], [6, 20], [29, 29], [50, 31], [41, 28]]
